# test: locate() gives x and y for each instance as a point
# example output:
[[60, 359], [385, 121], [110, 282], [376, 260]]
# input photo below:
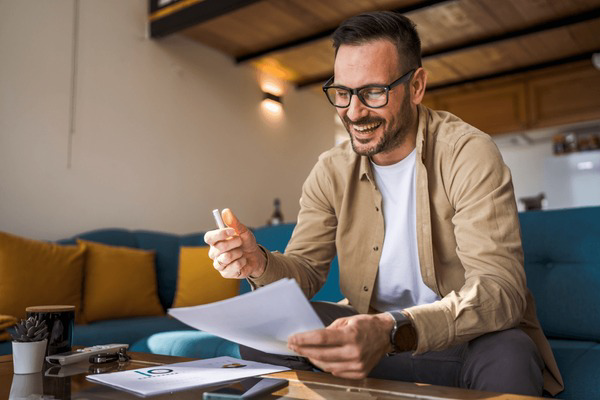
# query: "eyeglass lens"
[[369, 96]]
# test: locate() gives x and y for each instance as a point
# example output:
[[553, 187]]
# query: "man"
[[420, 210]]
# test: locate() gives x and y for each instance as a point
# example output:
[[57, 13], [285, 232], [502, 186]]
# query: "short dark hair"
[[389, 25]]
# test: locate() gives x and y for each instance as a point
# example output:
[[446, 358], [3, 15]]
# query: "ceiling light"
[[272, 103]]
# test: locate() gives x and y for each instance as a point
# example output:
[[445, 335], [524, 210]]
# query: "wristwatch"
[[403, 335]]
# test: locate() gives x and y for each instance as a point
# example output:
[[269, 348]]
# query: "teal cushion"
[[5, 348], [109, 236], [579, 365], [331, 290], [275, 238], [186, 343], [126, 330], [562, 263]]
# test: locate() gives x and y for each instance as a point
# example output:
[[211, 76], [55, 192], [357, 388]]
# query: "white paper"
[[160, 379], [262, 319]]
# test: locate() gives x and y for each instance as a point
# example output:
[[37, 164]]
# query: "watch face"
[[405, 337]]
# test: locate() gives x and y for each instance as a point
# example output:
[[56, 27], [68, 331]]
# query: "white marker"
[[218, 219]]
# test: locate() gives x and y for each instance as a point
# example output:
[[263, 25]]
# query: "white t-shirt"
[[399, 283]]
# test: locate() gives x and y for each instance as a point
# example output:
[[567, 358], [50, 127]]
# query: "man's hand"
[[350, 347], [234, 251]]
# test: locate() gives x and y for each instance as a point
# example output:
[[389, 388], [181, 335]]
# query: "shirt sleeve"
[[311, 249], [486, 228]]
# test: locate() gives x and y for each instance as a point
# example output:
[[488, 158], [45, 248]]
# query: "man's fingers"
[[218, 235], [224, 246], [320, 337], [218, 266], [326, 354], [235, 269], [231, 220], [339, 323], [229, 256]]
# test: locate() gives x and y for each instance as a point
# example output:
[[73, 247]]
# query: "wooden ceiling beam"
[[327, 32], [530, 30], [177, 15], [546, 26]]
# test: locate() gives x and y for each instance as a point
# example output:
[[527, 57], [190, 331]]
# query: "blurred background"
[[148, 114]]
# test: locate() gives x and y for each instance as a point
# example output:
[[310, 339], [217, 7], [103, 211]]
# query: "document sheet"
[[170, 378], [262, 319]]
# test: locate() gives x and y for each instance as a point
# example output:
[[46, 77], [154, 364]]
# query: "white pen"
[[218, 219]]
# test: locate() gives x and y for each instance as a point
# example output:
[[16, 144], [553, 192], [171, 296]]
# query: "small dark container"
[[60, 321]]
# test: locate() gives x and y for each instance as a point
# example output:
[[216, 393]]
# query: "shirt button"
[[376, 208], [366, 289], [375, 248]]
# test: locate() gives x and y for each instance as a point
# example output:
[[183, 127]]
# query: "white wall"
[[165, 130], [526, 163], [529, 156]]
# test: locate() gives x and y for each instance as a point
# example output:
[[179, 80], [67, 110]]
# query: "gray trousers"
[[505, 361]]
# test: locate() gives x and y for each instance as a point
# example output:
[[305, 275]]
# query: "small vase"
[[28, 357]]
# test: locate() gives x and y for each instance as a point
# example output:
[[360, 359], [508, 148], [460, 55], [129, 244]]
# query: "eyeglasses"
[[373, 96]]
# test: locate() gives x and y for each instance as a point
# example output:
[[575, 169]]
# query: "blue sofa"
[[562, 263], [143, 333]]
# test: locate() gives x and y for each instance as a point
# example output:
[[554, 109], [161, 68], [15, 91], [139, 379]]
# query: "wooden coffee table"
[[303, 385]]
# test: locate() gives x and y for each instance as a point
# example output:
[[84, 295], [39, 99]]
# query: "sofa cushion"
[[198, 282], [194, 344], [38, 273], [275, 238], [110, 236], [167, 258], [562, 254], [5, 347], [579, 364], [124, 330], [119, 282]]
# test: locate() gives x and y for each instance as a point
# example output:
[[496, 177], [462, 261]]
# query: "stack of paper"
[[262, 319]]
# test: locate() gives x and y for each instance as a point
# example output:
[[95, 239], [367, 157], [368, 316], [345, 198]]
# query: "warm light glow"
[[273, 68], [271, 84], [271, 87], [272, 106]]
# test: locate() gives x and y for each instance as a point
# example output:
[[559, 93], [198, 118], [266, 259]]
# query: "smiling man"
[[379, 124], [419, 207]]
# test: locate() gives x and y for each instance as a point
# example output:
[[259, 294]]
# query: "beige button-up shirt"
[[468, 235]]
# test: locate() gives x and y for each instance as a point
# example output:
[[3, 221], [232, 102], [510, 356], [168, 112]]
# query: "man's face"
[[373, 130]]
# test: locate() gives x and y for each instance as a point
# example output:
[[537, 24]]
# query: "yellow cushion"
[[198, 282], [6, 321], [34, 273], [119, 282]]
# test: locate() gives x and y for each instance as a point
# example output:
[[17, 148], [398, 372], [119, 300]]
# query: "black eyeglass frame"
[[406, 77]]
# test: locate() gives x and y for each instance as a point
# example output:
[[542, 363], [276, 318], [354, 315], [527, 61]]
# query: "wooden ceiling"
[[462, 40]]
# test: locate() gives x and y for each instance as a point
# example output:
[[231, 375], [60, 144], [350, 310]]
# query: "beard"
[[393, 136]]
